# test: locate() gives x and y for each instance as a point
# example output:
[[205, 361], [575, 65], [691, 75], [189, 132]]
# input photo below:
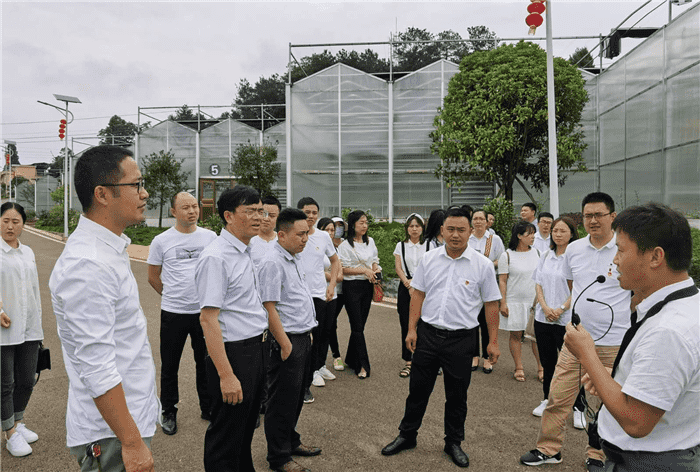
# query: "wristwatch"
[[563, 307]]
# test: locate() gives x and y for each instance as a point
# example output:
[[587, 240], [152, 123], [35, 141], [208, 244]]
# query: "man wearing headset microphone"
[[604, 311], [650, 418]]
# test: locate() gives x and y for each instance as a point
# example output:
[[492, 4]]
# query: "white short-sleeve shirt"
[[226, 279], [661, 367], [550, 275], [177, 254], [319, 244], [414, 253], [358, 255], [542, 244], [583, 263], [455, 289], [259, 248], [479, 245]]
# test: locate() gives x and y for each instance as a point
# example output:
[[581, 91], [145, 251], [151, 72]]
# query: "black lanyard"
[[678, 294]]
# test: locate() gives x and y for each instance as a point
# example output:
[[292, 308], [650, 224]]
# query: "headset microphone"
[[575, 319]]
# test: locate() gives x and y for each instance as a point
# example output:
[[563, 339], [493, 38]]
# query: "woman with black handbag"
[[20, 328], [408, 254]]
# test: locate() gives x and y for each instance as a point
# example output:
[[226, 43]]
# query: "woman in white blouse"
[[360, 260], [407, 255], [515, 268], [553, 310], [20, 328]]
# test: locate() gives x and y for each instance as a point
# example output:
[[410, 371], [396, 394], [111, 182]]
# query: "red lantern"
[[534, 19]]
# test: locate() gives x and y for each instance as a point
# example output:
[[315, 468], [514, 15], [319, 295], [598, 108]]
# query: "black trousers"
[[333, 328], [403, 304], [286, 382], [174, 329], [550, 339], [230, 433], [18, 373], [358, 300], [319, 350], [484, 329], [453, 351]]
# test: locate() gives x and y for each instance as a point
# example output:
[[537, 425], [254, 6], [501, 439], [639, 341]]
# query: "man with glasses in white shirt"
[[450, 285], [235, 324], [264, 241], [113, 407]]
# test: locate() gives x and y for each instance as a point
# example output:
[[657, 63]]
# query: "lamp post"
[[66, 162], [9, 151]]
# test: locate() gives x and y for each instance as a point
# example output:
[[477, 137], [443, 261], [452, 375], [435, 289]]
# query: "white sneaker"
[[18, 446], [540, 409], [28, 435], [326, 374], [318, 380], [579, 419]]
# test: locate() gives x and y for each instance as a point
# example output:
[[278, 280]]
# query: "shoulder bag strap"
[[403, 256], [487, 249]]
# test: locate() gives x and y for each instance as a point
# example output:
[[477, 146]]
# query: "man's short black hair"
[[468, 209], [545, 214], [490, 213], [14, 206], [307, 201], [599, 197], [232, 198], [530, 205], [97, 166], [458, 212], [288, 217], [272, 200], [656, 225]]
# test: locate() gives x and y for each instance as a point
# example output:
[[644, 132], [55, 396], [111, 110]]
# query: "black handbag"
[[44, 360]]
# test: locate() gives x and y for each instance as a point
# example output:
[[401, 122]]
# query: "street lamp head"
[[8, 141], [66, 98]]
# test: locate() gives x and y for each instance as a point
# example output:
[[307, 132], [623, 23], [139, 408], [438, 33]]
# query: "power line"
[[53, 121]]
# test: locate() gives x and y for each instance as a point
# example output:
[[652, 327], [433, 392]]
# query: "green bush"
[[52, 220], [695, 266], [346, 211], [213, 223], [504, 214], [385, 236], [142, 235]]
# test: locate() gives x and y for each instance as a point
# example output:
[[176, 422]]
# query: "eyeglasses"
[[138, 185], [597, 216], [249, 212]]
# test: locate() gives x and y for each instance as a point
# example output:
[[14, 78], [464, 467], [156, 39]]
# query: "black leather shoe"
[[306, 451], [458, 456], [169, 424], [397, 445]]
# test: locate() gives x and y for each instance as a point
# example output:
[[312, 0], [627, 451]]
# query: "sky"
[[119, 56]]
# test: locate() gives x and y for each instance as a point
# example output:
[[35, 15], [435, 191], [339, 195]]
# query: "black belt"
[[446, 333], [254, 340], [298, 335]]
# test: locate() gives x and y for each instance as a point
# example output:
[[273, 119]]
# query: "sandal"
[[540, 375], [519, 375], [406, 371]]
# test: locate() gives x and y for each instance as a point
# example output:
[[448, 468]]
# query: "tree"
[[581, 58], [413, 56], [56, 167], [120, 132], [163, 179], [366, 61], [452, 51], [309, 65], [188, 117], [487, 36], [493, 124], [265, 91], [256, 166]]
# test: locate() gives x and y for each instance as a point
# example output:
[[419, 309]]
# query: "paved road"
[[351, 419]]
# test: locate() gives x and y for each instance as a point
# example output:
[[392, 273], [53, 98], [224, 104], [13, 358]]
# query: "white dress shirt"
[[455, 289], [282, 280], [177, 254], [542, 244], [550, 275], [226, 280], [583, 263], [19, 295], [103, 332], [414, 253], [661, 367], [259, 248], [319, 244], [479, 245], [360, 255]]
